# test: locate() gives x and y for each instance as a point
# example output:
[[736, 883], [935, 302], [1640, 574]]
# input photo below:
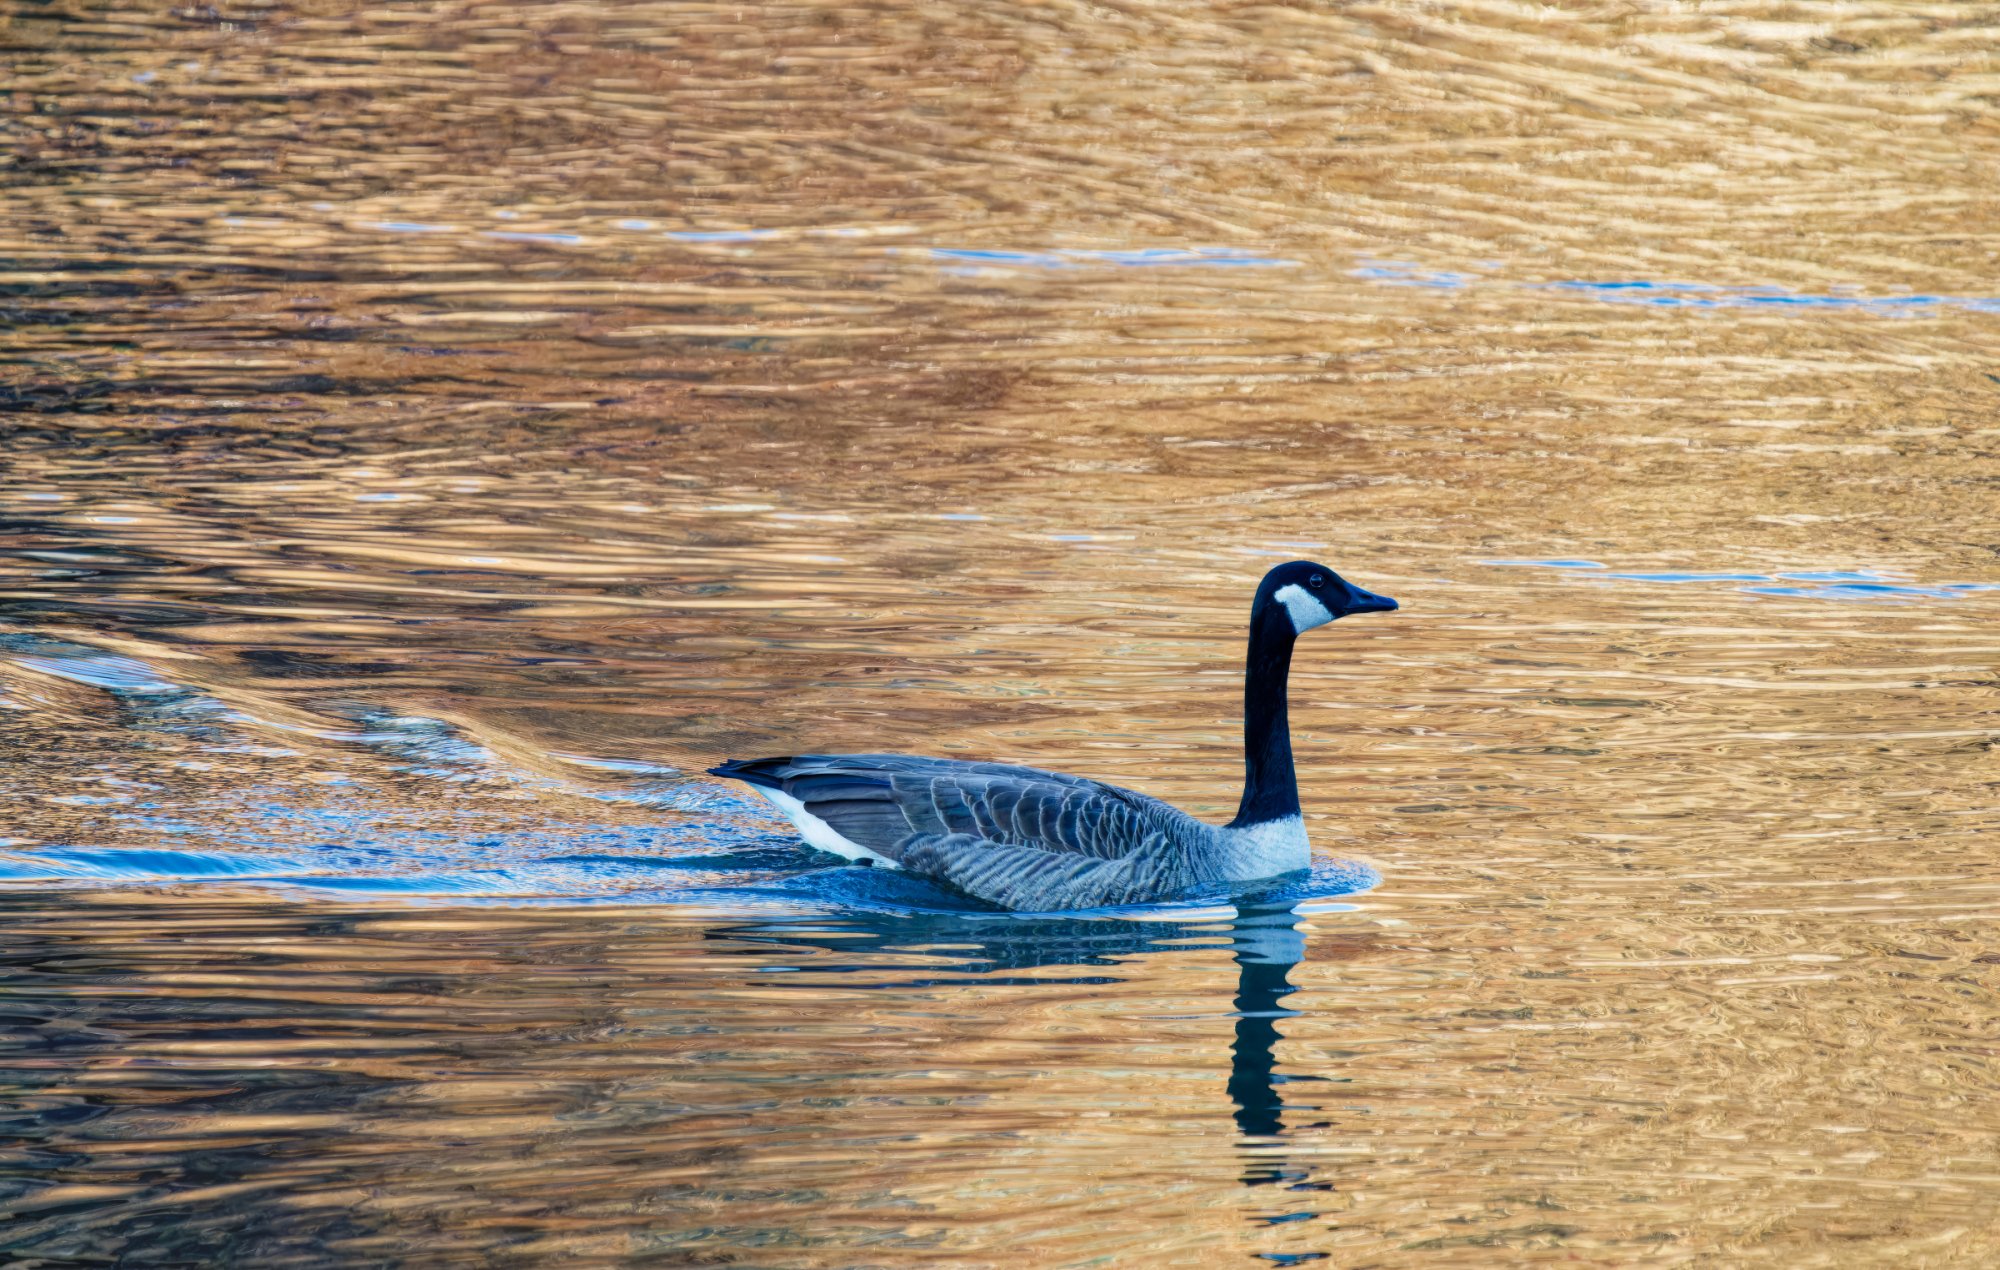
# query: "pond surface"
[[436, 433]]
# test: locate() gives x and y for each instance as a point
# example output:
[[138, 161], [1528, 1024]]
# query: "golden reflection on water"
[[433, 430]]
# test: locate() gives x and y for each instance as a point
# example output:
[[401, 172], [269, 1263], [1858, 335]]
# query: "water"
[[435, 434]]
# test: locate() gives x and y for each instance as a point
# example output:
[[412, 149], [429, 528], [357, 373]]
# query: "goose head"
[[1308, 595]]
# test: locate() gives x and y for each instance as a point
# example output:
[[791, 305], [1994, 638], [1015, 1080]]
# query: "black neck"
[[1270, 787]]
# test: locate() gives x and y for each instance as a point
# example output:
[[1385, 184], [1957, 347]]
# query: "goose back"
[[1018, 837]]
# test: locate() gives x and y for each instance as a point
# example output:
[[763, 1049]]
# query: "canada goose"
[[1036, 841]]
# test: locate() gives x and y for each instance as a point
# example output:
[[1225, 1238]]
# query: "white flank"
[[818, 832], [1265, 850], [1305, 610]]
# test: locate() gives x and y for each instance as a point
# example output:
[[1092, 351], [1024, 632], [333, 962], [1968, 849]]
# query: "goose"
[[1032, 841]]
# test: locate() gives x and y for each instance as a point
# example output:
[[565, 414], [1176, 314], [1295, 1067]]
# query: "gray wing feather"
[[1030, 880], [1016, 836]]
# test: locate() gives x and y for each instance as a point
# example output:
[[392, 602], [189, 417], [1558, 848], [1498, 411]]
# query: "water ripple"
[[1832, 584]]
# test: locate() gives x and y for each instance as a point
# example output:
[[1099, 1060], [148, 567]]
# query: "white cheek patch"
[[1305, 610]]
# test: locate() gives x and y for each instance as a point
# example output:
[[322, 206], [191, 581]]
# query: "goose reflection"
[[1268, 944], [1264, 936]]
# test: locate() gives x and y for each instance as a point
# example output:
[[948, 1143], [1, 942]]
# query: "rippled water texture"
[[434, 433]]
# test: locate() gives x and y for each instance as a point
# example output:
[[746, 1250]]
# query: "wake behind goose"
[[1036, 841]]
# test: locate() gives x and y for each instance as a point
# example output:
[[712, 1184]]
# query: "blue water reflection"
[[1701, 295], [1145, 257], [1823, 584], [1654, 293]]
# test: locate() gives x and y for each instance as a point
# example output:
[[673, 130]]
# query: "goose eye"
[[1316, 582]]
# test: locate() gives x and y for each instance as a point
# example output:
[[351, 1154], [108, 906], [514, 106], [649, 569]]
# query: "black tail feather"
[[754, 771]]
